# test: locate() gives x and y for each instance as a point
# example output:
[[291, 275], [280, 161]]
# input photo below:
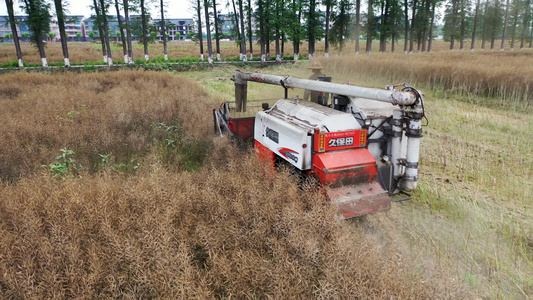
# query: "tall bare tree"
[[11, 15], [485, 19], [357, 24], [494, 24], [128, 31], [217, 33], [243, 33], [277, 27], [144, 21], [525, 22], [208, 32], [62, 33], [412, 29], [100, 26], [369, 29], [328, 4], [260, 16], [198, 9], [462, 23], [516, 6], [249, 12], [164, 29], [505, 25], [103, 12], [474, 27], [121, 28], [455, 9], [406, 26], [425, 20]]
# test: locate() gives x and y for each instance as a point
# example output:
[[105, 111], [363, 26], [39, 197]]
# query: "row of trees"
[[388, 21], [39, 18], [492, 19], [298, 21]]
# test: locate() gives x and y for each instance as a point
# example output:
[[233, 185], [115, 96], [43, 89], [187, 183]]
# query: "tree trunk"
[[128, 31], [282, 45], [236, 24], [463, 24], [122, 37], [493, 37], [383, 33], [406, 26], [505, 25], [208, 33], [412, 33], [106, 32], [426, 21], [312, 8], [164, 31], [326, 38], [485, 16], [296, 40], [100, 29], [278, 57], [430, 41], [260, 11], [250, 32], [243, 33], [454, 24], [357, 24], [369, 27], [513, 30], [40, 45], [530, 38], [524, 24], [475, 26], [62, 33], [200, 37], [217, 36], [11, 13], [145, 30], [267, 30]]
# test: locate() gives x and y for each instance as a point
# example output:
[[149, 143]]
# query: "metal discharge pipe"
[[385, 95]]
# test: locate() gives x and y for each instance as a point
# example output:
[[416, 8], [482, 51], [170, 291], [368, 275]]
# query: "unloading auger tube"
[[409, 99]]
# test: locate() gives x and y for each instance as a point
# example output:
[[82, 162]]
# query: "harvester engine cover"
[[325, 143]]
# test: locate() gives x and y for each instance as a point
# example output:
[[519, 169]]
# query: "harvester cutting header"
[[361, 143]]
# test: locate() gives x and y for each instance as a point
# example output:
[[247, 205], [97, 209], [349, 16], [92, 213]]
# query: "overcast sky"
[[174, 9]]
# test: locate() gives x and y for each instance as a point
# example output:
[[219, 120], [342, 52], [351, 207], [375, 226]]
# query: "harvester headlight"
[[368, 122]]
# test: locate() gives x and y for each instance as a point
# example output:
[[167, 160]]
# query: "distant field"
[[151, 204]]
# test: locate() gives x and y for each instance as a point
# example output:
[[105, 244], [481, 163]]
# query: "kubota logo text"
[[289, 154]]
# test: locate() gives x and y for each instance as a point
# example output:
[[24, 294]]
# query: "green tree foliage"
[[137, 30], [342, 20], [314, 28], [38, 22], [295, 29]]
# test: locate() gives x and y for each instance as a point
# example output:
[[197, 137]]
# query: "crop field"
[[114, 185], [183, 51]]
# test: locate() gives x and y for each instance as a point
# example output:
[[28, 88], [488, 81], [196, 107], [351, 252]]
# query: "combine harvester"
[[362, 144]]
